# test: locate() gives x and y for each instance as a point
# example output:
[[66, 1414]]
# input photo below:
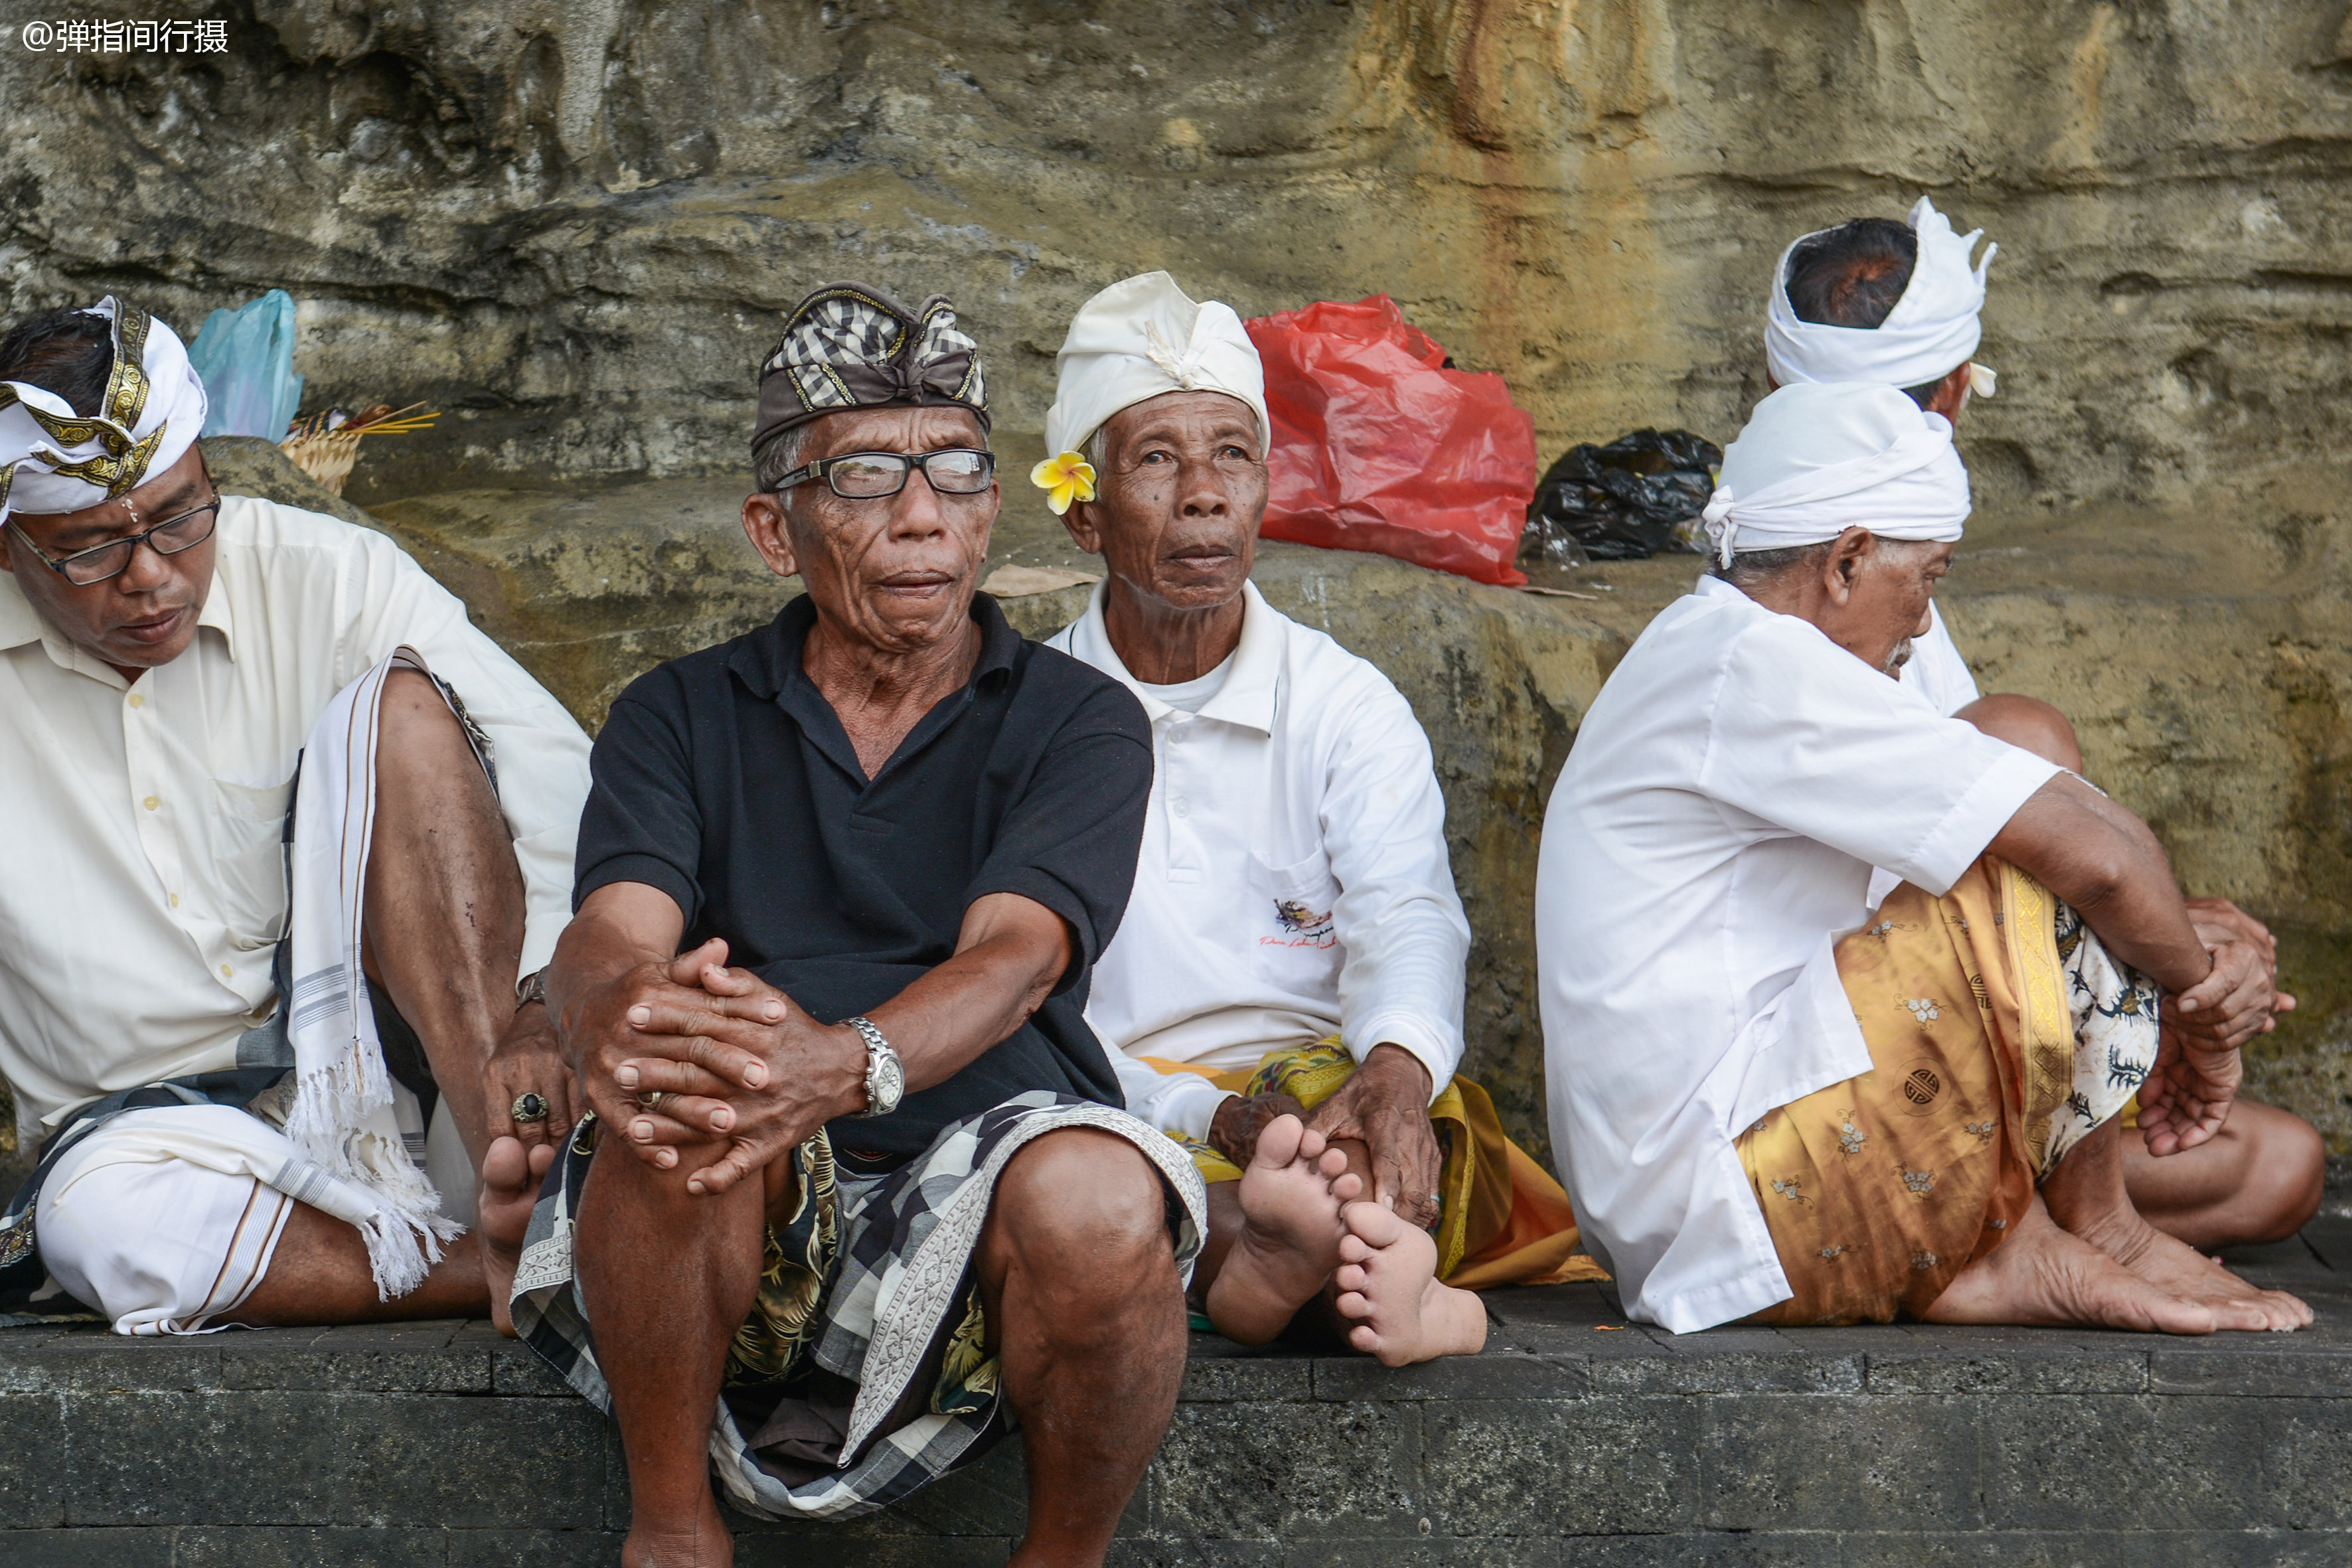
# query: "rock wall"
[[573, 225]]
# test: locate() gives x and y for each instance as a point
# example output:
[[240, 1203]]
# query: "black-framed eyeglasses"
[[84, 568], [871, 476]]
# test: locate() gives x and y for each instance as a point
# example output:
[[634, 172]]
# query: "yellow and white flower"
[[1064, 479]]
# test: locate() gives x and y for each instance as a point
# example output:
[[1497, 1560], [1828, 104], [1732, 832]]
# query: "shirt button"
[[176, 901], [1175, 737], [138, 700], [1183, 810], [151, 802], [226, 972]]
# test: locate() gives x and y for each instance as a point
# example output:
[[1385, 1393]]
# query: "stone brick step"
[[1575, 1438]]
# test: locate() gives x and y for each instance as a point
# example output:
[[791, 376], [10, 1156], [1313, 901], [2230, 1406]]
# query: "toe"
[[1377, 1226], [1279, 1142]]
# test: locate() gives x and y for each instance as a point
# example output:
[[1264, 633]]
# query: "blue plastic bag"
[[246, 357]]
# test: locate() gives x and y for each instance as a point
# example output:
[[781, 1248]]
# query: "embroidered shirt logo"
[[1297, 924], [1294, 916]]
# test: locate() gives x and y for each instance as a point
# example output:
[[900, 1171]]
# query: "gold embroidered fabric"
[[1881, 1189]]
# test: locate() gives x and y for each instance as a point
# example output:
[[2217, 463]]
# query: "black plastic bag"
[[1632, 499]]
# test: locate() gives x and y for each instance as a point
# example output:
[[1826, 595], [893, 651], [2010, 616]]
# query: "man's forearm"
[[2105, 862], [944, 1020]]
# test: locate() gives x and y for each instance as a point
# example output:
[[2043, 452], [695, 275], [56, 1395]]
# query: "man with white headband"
[[1289, 973], [1899, 304], [1777, 1103], [242, 1019]]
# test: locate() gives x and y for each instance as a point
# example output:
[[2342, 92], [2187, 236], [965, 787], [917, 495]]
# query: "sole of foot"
[[1389, 1286], [1291, 1196], [510, 1179], [2043, 1277]]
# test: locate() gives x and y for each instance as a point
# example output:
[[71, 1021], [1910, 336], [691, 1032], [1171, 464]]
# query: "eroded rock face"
[[573, 226]]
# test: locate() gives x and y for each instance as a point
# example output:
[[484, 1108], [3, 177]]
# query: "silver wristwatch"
[[886, 1080]]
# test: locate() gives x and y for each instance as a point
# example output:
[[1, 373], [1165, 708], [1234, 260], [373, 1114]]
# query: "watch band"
[[530, 988], [886, 1078]]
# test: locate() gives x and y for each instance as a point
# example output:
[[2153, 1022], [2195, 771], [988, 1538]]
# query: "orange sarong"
[[1878, 1191], [1502, 1219]]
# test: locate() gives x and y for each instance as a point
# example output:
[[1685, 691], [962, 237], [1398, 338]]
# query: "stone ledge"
[[1575, 1438]]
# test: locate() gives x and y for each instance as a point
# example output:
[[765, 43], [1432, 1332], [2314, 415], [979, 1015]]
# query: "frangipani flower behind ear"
[[1064, 479]]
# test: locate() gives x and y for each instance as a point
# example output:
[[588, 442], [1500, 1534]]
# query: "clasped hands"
[[693, 1061], [2188, 1092]]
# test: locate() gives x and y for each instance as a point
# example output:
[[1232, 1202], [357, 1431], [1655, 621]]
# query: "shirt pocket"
[[1290, 926], [249, 861]]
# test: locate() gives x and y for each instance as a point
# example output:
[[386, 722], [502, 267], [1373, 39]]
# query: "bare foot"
[[1388, 1285], [2043, 1277], [510, 1179], [1289, 1243], [2179, 1269]]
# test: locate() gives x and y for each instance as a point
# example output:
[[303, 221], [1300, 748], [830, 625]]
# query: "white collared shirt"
[[142, 887], [1711, 836], [1294, 881]]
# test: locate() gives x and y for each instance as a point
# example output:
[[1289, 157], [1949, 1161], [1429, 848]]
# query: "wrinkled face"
[[898, 571], [1179, 500], [146, 616], [1890, 588]]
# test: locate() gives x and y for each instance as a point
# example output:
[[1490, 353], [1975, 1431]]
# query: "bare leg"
[[319, 1274], [444, 898], [1077, 1279], [2259, 1179], [667, 1277], [2086, 1197], [2028, 723]]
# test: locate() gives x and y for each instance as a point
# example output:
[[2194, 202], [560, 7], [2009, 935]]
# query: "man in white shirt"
[[1772, 1101], [164, 652], [1899, 304], [1294, 913]]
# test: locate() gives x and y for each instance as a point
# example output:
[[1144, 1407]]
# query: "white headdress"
[[53, 459], [1138, 339], [1819, 458], [1931, 332]]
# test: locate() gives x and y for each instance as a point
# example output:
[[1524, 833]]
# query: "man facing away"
[[1294, 934], [231, 1082], [1899, 304], [1777, 1103], [855, 1191]]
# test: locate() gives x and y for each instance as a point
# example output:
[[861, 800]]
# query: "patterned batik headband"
[[848, 346]]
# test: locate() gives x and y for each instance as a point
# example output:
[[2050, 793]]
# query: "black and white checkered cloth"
[[906, 1243]]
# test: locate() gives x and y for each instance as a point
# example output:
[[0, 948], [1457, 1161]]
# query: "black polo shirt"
[[726, 780]]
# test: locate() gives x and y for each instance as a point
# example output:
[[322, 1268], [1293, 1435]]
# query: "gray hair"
[[779, 456], [1762, 565]]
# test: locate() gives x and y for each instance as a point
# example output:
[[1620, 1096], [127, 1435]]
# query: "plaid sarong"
[[900, 1297]]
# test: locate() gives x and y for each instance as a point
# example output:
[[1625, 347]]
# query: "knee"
[[1082, 1200], [412, 713], [2287, 1169], [2028, 723]]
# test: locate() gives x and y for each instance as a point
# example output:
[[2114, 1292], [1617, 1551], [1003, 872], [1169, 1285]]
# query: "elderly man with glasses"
[[856, 1191], [288, 839]]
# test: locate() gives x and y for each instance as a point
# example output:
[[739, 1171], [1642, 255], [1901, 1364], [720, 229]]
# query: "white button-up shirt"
[[1292, 882], [1711, 836], [142, 887]]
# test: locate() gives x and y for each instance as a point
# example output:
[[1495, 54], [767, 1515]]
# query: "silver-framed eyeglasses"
[[85, 568], [871, 476]]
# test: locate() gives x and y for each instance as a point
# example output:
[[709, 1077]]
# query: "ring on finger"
[[650, 1100], [528, 1106]]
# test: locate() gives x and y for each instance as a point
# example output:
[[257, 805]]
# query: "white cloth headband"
[[1140, 338], [1931, 332], [1819, 458], [53, 459]]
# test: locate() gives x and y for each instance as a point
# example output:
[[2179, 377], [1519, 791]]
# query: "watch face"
[[890, 1082]]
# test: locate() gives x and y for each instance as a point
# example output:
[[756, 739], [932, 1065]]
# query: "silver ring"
[[650, 1100], [528, 1106]]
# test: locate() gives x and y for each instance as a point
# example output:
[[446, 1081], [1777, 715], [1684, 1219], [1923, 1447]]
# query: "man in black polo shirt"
[[856, 1188]]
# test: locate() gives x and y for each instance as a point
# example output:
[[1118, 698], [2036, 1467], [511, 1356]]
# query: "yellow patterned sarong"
[[1878, 1191], [1502, 1219]]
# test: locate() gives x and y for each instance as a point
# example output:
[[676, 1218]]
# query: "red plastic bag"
[[1377, 447]]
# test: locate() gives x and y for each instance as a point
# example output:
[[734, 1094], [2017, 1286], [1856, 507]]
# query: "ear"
[[1950, 393], [1848, 556], [1085, 527], [768, 527]]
